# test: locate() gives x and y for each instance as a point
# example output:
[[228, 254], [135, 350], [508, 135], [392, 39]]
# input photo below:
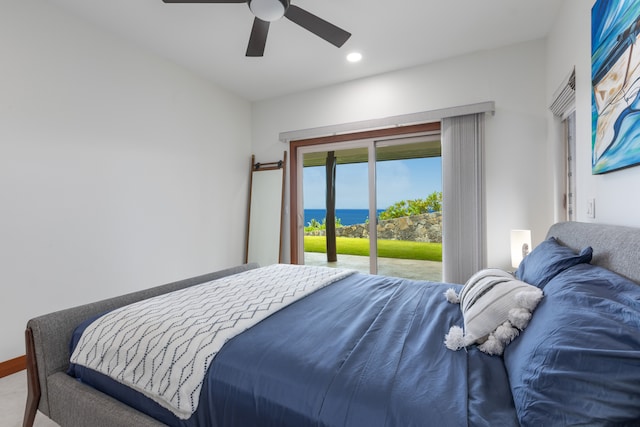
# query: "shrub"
[[315, 225], [433, 203]]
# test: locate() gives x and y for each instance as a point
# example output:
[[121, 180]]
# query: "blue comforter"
[[365, 351]]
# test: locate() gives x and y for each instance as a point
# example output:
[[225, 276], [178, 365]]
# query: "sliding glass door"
[[383, 195]]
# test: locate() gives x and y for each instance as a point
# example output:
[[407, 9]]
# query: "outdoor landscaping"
[[386, 248], [409, 229]]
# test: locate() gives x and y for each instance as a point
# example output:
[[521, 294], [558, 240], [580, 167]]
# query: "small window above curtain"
[[563, 108], [564, 98]]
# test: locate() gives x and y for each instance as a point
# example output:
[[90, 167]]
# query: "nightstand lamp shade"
[[520, 246]]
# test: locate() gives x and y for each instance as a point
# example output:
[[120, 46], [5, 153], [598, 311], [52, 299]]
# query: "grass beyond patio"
[[386, 248]]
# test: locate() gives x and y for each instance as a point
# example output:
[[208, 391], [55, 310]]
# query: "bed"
[[367, 350]]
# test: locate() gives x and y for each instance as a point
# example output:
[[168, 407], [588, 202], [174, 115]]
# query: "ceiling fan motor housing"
[[268, 10]]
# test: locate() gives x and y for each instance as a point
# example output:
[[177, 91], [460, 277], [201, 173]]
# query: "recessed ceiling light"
[[354, 57]]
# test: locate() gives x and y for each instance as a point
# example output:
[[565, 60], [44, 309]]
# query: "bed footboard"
[[65, 400]]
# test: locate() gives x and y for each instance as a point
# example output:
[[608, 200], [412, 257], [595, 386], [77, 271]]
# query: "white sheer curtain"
[[463, 233]]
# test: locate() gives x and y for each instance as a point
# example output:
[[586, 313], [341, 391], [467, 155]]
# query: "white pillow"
[[495, 307]]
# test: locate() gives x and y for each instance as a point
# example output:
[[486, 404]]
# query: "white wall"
[[118, 170], [518, 175], [616, 193]]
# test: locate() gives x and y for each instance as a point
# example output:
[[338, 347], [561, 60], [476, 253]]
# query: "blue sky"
[[397, 180]]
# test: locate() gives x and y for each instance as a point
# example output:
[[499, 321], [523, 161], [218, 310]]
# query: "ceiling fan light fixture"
[[268, 10]]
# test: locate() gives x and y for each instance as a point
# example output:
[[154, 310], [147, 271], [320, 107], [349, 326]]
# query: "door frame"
[[295, 171]]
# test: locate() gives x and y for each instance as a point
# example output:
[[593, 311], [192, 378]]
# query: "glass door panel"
[[347, 246], [408, 183]]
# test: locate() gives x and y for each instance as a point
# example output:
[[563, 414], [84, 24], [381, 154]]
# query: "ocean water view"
[[346, 216]]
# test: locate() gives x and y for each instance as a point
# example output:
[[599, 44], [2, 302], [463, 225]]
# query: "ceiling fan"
[[267, 11]]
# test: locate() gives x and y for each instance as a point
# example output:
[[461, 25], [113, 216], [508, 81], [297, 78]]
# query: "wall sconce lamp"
[[520, 246]]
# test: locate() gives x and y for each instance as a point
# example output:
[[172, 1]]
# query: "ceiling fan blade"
[[204, 1], [318, 26], [258, 38]]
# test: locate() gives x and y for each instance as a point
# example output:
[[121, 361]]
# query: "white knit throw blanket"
[[163, 346]]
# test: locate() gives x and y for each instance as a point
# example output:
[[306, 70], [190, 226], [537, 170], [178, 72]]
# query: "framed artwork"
[[615, 78]]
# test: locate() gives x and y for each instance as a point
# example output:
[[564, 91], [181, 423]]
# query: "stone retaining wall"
[[417, 228]]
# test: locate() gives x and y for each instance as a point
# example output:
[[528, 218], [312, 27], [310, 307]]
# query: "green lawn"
[[386, 248]]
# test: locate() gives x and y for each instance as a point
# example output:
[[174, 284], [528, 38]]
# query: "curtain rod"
[[397, 121]]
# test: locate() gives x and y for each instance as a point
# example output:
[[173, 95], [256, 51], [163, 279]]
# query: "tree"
[[433, 203]]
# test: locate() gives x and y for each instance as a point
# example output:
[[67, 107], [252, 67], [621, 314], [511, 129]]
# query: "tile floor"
[[13, 396]]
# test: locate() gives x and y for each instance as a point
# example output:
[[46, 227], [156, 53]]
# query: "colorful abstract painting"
[[615, 76]]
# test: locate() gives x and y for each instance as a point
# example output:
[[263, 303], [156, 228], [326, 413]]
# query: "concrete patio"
[[407, 268]]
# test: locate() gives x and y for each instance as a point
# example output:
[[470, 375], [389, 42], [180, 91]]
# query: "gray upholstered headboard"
[[615, 247]]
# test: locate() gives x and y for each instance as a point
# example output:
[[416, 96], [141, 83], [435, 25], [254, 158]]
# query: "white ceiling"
[[211, 39]]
